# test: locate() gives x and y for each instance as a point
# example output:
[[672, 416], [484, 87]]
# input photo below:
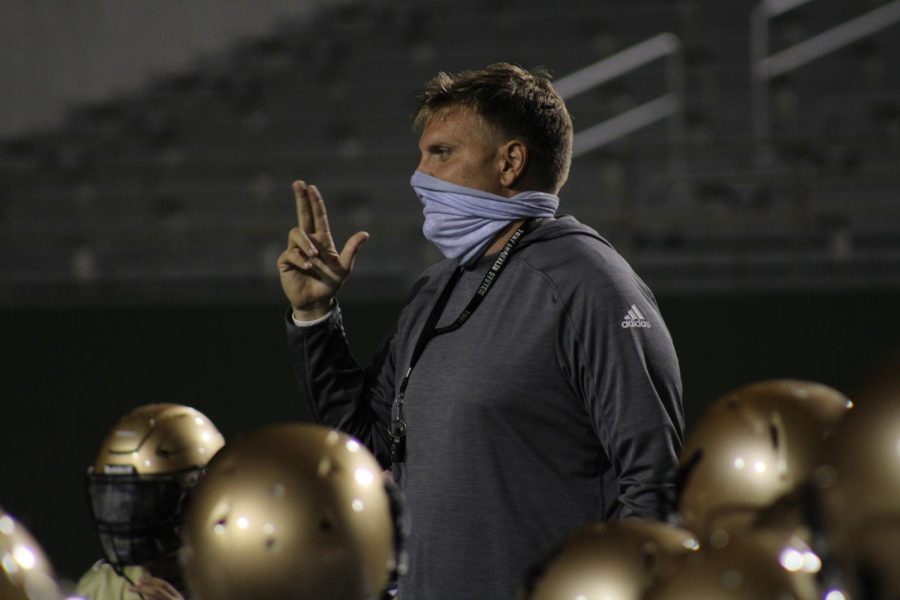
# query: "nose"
[[422, 166]]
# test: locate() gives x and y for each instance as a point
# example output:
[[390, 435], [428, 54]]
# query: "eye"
[[441, 152]]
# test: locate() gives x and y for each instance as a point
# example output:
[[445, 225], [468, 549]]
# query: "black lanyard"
[[430, 331]]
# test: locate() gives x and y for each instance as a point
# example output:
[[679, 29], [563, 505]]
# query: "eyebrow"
[[438, 141]]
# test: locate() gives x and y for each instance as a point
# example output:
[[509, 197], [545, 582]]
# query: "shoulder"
[[102, 581], [577, 259], [596, 285]]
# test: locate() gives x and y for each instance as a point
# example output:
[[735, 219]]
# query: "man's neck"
[[503, 237]]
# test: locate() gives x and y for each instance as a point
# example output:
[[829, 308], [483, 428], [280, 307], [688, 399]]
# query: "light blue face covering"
[[463, 221]]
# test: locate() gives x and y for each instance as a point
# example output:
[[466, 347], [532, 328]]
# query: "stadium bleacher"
[[188, 180]]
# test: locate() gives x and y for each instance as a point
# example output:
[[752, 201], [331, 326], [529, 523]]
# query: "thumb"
[[351, 248]]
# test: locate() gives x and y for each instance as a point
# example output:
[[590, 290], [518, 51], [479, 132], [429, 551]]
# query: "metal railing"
[[764, 67], [668, 106]]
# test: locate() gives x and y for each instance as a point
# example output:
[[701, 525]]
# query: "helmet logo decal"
[[118, 469]]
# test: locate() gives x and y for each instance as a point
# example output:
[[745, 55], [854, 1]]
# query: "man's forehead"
[[452, 114], [457, 119]]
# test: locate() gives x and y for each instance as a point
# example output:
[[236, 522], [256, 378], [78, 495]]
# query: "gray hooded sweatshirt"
[[556, 404]]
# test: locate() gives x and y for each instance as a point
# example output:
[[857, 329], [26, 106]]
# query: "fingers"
[[292, 259], [303, 253], [301, 198], [351, 248], [311, 215], [326, 267], [299, 239], [317, 208], [155, 589], [311, 253], [304, 250]]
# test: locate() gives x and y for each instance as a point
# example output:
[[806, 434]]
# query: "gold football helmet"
[[139, 484], [290, 511], [789, 531], [607, 561], [736, 568], [860, 486], [752, 446], [25, 572]]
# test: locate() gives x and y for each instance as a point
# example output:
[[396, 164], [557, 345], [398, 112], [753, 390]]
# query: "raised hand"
[[312, 271]]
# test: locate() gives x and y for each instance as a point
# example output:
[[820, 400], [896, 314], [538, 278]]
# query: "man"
[[530, 385]]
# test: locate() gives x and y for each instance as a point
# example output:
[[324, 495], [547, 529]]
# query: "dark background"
[[71, 373], [147, 149]]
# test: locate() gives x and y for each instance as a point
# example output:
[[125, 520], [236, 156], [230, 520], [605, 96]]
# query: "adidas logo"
[[634, 318]]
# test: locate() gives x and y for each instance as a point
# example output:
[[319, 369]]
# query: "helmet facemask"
[[138, 487], [138, 518]]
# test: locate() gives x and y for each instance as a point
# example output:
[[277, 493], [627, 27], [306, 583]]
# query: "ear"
[[513, 160]]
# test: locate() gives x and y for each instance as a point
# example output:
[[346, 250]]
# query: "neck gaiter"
[[463, 221]]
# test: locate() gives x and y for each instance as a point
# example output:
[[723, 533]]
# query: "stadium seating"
[[186, 182]]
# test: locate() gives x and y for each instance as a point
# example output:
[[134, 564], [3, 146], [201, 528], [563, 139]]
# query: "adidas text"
[[634, 318], [635, 323]]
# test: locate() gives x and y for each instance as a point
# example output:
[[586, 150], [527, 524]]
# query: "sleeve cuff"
[[321, 319]]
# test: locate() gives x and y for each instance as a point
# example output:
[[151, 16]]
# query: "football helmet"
[[607, 561], [737, 568], [290, 511], [25, 572], [139, 484], [860, 486], [790, 530], [752, 446]]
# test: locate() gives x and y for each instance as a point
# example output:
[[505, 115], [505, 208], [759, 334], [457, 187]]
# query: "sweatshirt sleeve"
[[622, 364], [342, 394]]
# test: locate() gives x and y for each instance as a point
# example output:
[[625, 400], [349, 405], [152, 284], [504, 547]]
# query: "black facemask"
[[137, 518]]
